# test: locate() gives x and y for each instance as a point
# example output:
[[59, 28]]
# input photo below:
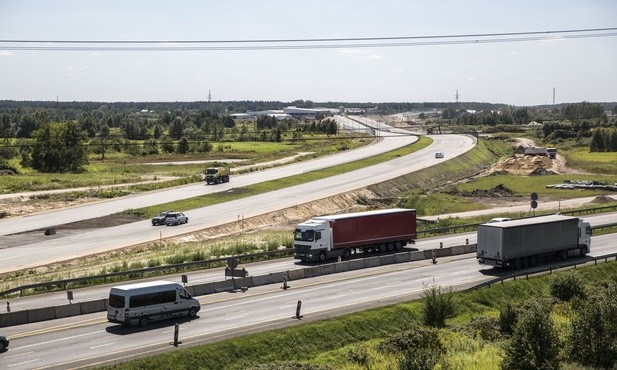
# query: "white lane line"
[[235, 317], [103, 345], [25, 362], [61, 339], [18, 354]]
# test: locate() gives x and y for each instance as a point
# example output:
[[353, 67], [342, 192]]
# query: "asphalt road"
[[90, 340], [95, 241]]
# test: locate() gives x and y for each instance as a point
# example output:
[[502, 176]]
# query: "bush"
[[535, 343], [438, 306], [567, 286], [508, 316], [485, 328], [412, 340]]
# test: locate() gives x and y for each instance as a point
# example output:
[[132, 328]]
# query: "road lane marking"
[[25, 362], [103, 345]]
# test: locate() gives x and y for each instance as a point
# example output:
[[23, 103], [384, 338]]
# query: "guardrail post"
[[176, 333], [298, 316]]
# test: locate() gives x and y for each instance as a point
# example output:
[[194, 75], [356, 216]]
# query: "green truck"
[[216, 175]]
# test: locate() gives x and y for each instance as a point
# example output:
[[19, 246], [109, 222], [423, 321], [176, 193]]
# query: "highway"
[[61, 247], [90, 340]]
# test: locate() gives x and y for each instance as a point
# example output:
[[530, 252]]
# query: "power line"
[[303, 44]]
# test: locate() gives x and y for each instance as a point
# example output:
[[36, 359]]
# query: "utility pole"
[[553, 96]]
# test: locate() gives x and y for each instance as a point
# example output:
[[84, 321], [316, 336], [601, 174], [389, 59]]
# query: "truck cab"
[[312, 240], [584, 237], [216, 175]]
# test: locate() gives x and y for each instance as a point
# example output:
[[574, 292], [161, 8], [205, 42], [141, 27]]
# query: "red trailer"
[[331, 236]]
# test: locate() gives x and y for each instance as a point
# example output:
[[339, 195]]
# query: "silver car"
[[176, 218]]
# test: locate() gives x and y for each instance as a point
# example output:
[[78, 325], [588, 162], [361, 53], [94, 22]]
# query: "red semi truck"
[[324, 237]]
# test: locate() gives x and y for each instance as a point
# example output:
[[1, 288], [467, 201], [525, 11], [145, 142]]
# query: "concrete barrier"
[[402, 257], [276, 277], [261, 280], [203, 289], [372, 261], [342, 266], [357, 264], [190, 289], [471, 248], [68, 310], [296, 274], [41, 314], [13, 318], [224, 286], [458, 249], [416, 256], [320, 270], [387, 259], [93, 306]]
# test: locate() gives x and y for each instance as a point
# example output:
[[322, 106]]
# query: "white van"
[[154, 300]]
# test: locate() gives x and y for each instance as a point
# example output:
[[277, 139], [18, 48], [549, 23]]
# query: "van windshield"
[[116, 301]]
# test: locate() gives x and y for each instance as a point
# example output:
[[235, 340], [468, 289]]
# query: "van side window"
[[184, 294], [143, 300], [318, 235], [168, 296]]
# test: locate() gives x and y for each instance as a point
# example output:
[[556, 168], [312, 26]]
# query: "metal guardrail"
[[179, 267], [140, 273], [472, 227], [526, 273]]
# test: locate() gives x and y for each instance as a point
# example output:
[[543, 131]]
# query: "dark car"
[[4, 343], [160, 219], [176, 218]]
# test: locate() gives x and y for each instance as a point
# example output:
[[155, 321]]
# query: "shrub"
[[567, 286], [438, 306]]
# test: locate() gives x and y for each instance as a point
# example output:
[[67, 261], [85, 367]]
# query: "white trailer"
[[524, 242]]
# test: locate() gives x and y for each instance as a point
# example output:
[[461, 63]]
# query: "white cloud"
[[399, 70], [5, 53], [374, 56]]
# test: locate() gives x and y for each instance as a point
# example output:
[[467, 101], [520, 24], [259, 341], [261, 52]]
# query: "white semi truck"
[[525, 242]]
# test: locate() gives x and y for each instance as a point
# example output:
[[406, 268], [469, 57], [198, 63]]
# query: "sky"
[[521, 73]]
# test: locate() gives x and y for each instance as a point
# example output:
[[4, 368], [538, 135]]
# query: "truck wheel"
[[390, 247], [143, 321], [322, 256], [398, 246], [583, 252], [347, 254], [383, 248]]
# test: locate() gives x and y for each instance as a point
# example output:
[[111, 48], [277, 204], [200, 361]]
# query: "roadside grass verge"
[[339, 343]]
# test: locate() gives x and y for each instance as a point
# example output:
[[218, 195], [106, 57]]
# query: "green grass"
[[592, 162], [328, 342]]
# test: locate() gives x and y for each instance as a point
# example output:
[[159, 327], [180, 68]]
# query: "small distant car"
[[499, 219], [160, 219], [176, 218], [4, 343], [439, 155]]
